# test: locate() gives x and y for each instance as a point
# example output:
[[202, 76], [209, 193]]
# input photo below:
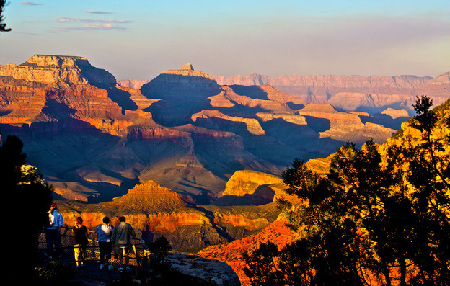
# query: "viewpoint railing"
[[137, 252]]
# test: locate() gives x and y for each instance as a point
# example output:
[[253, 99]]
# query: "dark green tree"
[[427, 175], [160, 248], [28, 198], [332, 244], [2, 18], [262, 265]]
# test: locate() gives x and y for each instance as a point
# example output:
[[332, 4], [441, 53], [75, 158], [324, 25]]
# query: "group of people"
[[108, 237]]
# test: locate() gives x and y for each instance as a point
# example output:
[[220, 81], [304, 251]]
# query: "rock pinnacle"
[[187, 66]]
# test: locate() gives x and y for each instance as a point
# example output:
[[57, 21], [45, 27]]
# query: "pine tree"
[[2, 18], [27, 198]]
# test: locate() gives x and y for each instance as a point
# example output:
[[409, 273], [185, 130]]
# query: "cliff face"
[[51, 69], [246, 182], [232, 253], [181, 92], [64, 89], [20, 101], [148, 197], [252, 125], [94, 139], [348, 82], [373, 93], [154, 210], [249, 187]]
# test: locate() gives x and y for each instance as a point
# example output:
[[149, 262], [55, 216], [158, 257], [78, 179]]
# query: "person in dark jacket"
[[121, 239], [80, 242]]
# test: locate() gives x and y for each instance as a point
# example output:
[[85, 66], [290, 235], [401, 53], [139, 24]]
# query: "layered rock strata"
[[251, 124], [353, 92], [95, 139]]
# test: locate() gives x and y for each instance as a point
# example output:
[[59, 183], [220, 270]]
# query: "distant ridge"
[[322, 89]]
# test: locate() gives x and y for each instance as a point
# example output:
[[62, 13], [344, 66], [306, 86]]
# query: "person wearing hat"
[[53, 231]]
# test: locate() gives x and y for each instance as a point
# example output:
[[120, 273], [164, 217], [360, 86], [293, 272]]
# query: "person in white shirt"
[[53, 231], [104, 232]]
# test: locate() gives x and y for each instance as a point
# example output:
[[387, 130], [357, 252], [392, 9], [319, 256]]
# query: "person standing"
[[80, 242], [121, 239], [53, 231], [104, 232]]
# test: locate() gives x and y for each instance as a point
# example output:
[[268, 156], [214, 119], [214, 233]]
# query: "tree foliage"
[[2, 18], [28, 198], [375, 218], [261, 265], [160, 248]]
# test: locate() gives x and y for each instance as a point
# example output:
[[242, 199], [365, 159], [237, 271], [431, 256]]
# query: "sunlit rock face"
[[94, 139], [277, 232], [53, 68], [154, 210], [64, 92]]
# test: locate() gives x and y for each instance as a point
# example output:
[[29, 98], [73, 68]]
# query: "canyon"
[[194, 157], [94, 139], [154, 210], [281, 233]]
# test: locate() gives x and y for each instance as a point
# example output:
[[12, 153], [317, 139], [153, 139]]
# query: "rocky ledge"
[[209, 271], [50, 69]]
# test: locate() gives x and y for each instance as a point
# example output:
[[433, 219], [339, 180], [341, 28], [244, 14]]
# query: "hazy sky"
[[139, 39]]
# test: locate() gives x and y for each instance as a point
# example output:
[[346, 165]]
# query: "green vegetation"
[[160, 248], [28, 198], [269, 211], [53, 274], [2, 18], [380, 216]]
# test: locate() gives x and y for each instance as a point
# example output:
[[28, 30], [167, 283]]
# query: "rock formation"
[[71, 92], [156, 210], [53, 69], [346, 126], [251, 124], [148, 197], [203, 271], [442, 80], [395, 113], [353, 92], [94, 139], [181, 92], [295, 119], [232, 253], [132, 83], [246, 182]]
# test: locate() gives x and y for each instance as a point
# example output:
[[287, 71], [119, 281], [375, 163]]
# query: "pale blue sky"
[[139, 39]]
